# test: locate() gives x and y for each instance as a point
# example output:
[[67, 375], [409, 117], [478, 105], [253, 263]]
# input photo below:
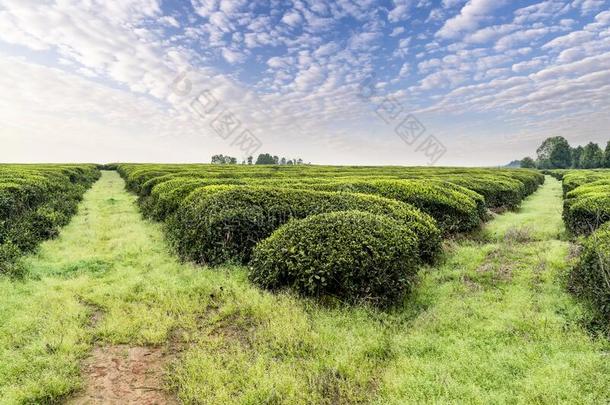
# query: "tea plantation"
[[207, 284]]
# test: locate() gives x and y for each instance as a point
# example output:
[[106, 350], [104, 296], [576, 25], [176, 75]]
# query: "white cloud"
[[588, 6], [400, 11], [471, 15], [603, 17], [292, 18], [233, 56], [397, 31], [116, 61]]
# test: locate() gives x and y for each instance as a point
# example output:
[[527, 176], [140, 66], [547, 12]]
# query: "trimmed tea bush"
[[454, 211], [166, 197], [223, 223], [354, 256], [499, 192], [35, 201], [591, 277], [587, 207]]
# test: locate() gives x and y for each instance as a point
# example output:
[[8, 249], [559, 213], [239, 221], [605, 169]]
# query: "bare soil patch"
[[125, 375]]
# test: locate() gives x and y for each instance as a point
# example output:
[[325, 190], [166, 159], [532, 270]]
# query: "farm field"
[[173, 284]]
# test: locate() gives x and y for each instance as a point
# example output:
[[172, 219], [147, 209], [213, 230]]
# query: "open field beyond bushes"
[[150, 283]]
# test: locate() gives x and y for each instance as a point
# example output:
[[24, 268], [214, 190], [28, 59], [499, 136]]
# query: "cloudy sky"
[[478, 82]]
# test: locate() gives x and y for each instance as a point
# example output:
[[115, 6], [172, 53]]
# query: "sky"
[[362, 82]]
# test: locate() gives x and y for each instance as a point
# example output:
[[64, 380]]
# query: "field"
[[303, 284]]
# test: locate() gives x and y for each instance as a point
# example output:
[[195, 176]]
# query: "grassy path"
[[491, 324], [498, 325]]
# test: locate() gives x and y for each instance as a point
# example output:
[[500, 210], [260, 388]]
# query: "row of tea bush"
[[35, 201], [586, 213], [215, 214]]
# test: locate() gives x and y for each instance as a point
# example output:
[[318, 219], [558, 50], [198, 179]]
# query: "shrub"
[[591, 277], [223, 223], [165, 198], [9, 260], [352, 255], [576, 178], [35, 201], [587, 207], [454, 211], [587, 213], [498, 191]]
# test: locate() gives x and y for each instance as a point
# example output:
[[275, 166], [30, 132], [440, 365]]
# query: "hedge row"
[[591, 277], [454, 208], [354, 233], [502, 188], [353, 256], [587, 200], [576, 178], [166, 197], [35, 201], [216, 224]]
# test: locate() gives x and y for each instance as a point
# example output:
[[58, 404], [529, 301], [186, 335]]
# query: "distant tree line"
[[556, 153], [263, 159], [223, 160], [267, 159]]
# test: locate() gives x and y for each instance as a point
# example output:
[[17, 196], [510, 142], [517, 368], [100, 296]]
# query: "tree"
[[283, 161], [300, 161], [592, 156], [554, 153], [265, 159], [607, 156], [576, 154], [528, 163], [250, 160], [218, 159], [223, 160]]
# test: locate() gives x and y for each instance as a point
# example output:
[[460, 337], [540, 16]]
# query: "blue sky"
[[485, 81]]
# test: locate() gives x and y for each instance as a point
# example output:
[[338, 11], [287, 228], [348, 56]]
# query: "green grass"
[[492, 324], [539, 217]]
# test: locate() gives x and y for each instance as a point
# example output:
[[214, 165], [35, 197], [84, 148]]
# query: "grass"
[[492, 324], [540, 217]]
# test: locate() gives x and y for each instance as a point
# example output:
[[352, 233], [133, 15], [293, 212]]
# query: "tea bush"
[[223, 223], [591, 277], [353, 256], [35, 201]]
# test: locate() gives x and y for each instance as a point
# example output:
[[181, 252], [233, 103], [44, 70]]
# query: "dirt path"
[[124, 374], [116, 374]]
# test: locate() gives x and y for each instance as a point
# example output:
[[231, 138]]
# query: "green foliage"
[[166, 197], [453, 209], [224, 160], [576, 155], [493, 323], [607, 156], [585, 212], [352, 255], [592, 156], [587, 200], [575, 178], [458, 199], [265, 159], [554, 153], [528, 163], [10, 265], [591, 277], [35, 201], [223, 223]]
